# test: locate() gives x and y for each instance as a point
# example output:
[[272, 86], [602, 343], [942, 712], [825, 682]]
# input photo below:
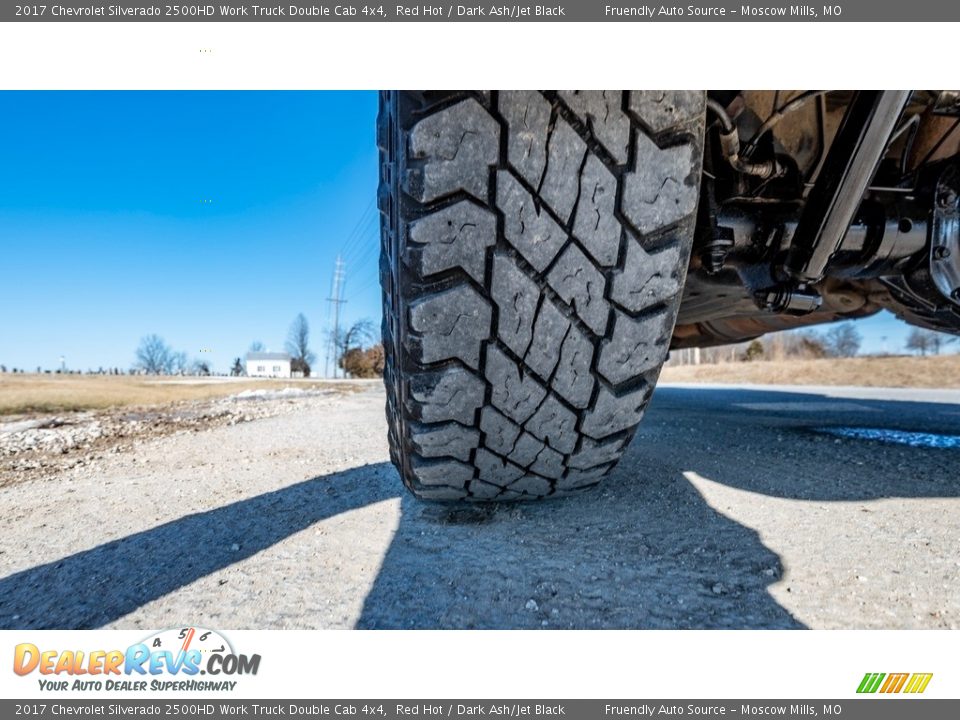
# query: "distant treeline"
[[839, 341]]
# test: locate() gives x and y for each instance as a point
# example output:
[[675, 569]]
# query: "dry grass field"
[[37, 394], [941, 371]]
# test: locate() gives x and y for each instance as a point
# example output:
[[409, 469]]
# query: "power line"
[[336, 300], [370, 272], [362, 248], [356, 250], [361, 221], [366, 286], [350, 244], [366, 262], [372, 242]]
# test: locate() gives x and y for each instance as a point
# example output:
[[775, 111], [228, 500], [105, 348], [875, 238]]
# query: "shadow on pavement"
[[97, 586], [648, 553], [773, 443], [645, 551], [642, 551]]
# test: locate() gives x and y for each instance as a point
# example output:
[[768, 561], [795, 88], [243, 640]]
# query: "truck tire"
[[534, 246]]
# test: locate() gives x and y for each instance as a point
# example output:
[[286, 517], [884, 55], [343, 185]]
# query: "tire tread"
[[533, 249]]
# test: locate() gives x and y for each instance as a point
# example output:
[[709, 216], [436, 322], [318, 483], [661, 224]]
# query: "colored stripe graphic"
[[895, 683], [870, 682], [918, 683]]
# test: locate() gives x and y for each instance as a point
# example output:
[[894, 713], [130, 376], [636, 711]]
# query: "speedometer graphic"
[[184, 639]]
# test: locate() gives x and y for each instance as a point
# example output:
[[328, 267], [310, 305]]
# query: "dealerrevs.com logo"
[[910, 683], [169, 660]]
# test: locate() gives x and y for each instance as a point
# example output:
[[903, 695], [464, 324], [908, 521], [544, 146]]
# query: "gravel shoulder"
[[731, 509], [40, 445]]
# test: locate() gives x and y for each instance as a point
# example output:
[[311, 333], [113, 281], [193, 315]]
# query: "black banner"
[[550, 11]]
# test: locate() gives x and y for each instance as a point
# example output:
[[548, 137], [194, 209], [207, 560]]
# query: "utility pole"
[[326, 362], [336, 297]]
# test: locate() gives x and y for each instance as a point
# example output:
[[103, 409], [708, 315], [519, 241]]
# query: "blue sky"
[[209, 218]]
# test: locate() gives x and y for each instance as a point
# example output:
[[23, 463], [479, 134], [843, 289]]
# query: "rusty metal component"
[[945, 236], [938, 137], [947, 103], [724, 331]]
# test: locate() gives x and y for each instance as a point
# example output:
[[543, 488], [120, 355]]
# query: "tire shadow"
[[644, 550]]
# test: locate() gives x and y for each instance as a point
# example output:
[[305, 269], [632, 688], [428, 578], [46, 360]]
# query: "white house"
[[268, 364]]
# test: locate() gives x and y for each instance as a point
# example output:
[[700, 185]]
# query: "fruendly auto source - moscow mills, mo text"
[[773, 11]]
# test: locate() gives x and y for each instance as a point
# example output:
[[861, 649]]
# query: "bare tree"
[[362, 334], [919, 340], [298, 345], [154, 356], [843, 340], [359, 334], [923, 341], [179, 363], [256, 346], [939, 339], [237, 369], [352, 342]]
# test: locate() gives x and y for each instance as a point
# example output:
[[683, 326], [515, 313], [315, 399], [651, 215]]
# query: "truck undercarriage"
[[817, 206]]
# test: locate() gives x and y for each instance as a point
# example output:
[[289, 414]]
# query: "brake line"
[[730, 146]]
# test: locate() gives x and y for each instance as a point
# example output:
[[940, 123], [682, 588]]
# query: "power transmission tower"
[[336, 297], [326, 362]]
